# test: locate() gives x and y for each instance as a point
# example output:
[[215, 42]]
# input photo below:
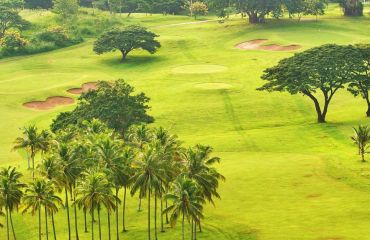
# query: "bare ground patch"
[[256, 44], [84, 88], [49, 103]]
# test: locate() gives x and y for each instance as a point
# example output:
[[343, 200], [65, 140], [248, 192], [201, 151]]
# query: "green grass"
[[287, 177]]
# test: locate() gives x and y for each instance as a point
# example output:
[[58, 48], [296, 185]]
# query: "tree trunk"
[[167, 221], [148, 214], [183, 226], [92, 222], [117, 223], [253, 18], [162, 227], [363, 153], [155, 216], [39, 223], [320, 116], [46, 224], [53, 223], [68, 219], [85, 220], [195, 230], [11, 224], [7, 223], [108, 213], [33, 165], [124, 55], [75, 212], [99, 222], [368, 107], [200, 226], [28, 160], [124, 211]]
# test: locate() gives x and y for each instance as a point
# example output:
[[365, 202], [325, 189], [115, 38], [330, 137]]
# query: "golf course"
[[287, 176]]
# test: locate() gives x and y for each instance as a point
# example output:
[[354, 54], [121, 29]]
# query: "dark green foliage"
[[324, 69], [10, 18], [127, 39], [36, 4], [113, 103], [360, 84], [351, 7]]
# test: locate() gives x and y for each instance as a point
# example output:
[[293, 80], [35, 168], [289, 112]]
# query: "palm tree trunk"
[[39, 223], [46, 224], [124, 211], [162, 227], [68, 219], [7, 223], [167, 222], [139, 205], [85, 221], [109, 237], [183, 226], [148, 214], [117, 234], [155, 216], [195, 230], [28, 160], [53, 223], [99, 222], [11, 224], [33, 165], [75, 212], [92, 222], [200, 226]]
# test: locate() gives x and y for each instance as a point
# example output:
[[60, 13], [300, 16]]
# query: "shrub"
[[56, 35], [12, 41]]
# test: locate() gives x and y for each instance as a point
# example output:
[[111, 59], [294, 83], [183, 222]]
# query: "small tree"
[[198, 8], [360, 84], [127, 39], [362, 139], [67, 10], [324, 69], [9, 18]]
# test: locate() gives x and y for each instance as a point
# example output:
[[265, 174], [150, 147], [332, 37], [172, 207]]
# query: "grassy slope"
[[287, 177]]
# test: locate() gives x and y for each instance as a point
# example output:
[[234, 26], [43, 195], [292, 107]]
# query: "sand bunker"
[[257, 45], [49, 103], [214, 86], [84, 88], [199, 69]]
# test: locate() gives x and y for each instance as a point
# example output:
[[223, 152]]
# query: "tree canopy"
[[9, 18], [324, 69], [113, 103], [126, 40]]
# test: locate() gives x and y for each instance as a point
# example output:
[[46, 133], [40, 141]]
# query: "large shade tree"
[[115, 104], [126, 40], [324, 69]]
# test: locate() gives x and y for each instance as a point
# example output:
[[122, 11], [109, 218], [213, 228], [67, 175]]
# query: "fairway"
[[288, 178]]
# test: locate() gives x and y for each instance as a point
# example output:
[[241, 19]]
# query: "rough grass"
[[287, 177]]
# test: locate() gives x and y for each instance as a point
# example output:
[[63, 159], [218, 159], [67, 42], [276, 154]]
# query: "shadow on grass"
[[133, 61]]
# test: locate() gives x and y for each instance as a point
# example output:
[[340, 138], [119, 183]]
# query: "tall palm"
[[198, 167], [361, 138], [185, 202], [35, 198], [168, 147], [110, 158], [94, 191], [149, 174], [51, 204], [33, 142], [139, 136], [68, 156], [10, 194]]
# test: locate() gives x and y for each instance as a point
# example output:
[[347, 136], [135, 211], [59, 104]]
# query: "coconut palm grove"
[[184, 119]]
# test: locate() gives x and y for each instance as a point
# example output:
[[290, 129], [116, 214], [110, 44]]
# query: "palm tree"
[[185, 201], [362, 139], [51, 203], [68, 156], [139, 136], [198, 167], [110, 157], [148, 177], [40, 194], [10, 194], [93, 192], [32, 142]]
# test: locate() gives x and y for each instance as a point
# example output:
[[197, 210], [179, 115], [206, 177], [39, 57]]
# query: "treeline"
[[95, 164]]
